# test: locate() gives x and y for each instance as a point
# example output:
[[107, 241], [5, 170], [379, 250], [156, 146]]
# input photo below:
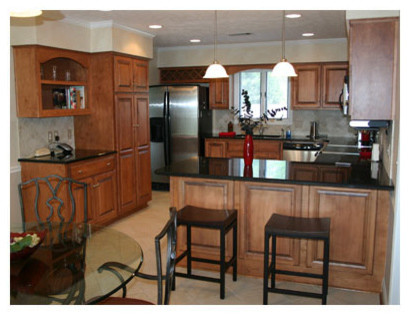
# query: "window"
[[267, 94]]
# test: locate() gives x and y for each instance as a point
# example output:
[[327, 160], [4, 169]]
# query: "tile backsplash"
[[330, 122], [33, 132]]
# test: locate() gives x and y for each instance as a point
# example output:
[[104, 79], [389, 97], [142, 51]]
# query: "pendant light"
[[215, 70], [283, 68]]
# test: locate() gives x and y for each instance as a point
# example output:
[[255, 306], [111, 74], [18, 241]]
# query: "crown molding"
[[106, 24]]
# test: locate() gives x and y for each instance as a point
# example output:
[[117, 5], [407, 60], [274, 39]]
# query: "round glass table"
[[73, 264]]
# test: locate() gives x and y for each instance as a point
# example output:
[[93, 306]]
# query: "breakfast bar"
[[353, 193]]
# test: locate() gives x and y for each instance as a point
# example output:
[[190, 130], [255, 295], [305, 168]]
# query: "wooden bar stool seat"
[[222, 220], [295, 227]]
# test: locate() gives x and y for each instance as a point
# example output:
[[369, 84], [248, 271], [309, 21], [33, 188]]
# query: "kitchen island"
[[353, 193]]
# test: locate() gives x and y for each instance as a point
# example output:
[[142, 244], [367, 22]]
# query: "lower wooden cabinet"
[[314, 172], [358, 238], [99, 174], [234, 148]]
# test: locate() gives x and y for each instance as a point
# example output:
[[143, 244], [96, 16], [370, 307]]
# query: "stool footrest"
[[283, 272], [198, 277], [294, 292], [205, 260]]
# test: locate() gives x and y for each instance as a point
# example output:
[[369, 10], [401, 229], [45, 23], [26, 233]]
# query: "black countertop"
[[77, 155], [360, 174]]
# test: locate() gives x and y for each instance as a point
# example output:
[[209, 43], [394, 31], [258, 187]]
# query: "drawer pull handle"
[[96, 185], [136, 126], [108, 164], [79, 171]]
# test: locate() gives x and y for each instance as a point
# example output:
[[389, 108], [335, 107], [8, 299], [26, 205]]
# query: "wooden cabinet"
[[219, 93], [318, 85], [99, 174], [51, 82], [358, 229], [374, 56], [121, 123], [234, 148], [321, 173]]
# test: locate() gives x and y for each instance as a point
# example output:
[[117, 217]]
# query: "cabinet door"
[[334, 174], [305, 91], [257, 203], [214, 148], [267, 149], [333, 82], [219, 93], [352, 214], [303, 172], [144, 180], [104, 196], [372, 55], [79, 201], [127, 156], [234, 148], [141, 120], [123, 81], [140, 76]]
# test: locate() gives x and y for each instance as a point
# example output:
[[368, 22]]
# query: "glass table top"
[[66, 267]]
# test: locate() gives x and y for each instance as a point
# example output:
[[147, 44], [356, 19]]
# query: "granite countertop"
[[77, 155], [360, 174]]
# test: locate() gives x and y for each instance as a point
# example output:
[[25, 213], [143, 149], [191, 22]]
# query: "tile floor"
[[245, 291]]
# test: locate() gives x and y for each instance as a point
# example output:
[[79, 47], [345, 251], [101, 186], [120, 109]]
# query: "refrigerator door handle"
[[166, 114]]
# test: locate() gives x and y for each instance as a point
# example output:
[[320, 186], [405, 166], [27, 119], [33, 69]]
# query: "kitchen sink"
[[302, 151]]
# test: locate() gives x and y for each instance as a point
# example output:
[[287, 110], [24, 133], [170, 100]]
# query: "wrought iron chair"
[[170, 231], [51, 203]]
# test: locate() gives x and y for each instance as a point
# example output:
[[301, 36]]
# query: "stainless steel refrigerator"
[[179, 121]]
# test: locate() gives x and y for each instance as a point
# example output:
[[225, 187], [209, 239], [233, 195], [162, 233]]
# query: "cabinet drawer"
[[235, 148], [88, 168]]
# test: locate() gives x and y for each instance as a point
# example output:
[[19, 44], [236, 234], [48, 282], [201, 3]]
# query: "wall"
[[267, 53]]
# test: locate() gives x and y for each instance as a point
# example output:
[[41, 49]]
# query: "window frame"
[[263, 71]]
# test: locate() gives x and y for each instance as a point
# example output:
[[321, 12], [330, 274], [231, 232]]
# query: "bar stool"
[[295, 227], [223, 220]]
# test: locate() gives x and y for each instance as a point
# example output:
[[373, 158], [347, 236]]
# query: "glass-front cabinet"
[[51, 82]]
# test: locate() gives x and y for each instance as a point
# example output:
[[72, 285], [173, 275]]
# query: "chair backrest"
[[53, 199], [170, 231]]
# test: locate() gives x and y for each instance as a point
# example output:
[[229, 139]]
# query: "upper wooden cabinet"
[[219, 93], [51, 82], [131, 74], [374, 58], [318, 85]]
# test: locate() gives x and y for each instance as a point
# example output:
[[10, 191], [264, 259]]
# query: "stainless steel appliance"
[[179, 120], [302, 151]]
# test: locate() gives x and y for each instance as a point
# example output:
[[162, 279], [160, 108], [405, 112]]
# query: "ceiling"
[[179, 26]]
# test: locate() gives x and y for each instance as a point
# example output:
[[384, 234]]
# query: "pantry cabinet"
[[51, 82], [121, 123], [374, 60]]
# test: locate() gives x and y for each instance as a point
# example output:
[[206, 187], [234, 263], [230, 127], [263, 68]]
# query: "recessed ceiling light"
[[293, 15], [155, 26], [308, 34], [195, 40]]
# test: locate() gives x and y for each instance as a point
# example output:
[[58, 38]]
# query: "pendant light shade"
[[25, 13], [283, 68], [215, 70]]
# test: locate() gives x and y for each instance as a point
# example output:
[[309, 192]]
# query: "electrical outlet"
[[56, 134], [50, 139], [69, 134]]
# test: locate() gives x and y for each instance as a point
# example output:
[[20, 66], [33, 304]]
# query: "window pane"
[[277, 96], [251, 82]]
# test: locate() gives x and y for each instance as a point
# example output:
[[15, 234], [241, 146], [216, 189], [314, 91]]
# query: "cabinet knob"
[[108, 164], [96, 185], [79, 171], [137, 125]]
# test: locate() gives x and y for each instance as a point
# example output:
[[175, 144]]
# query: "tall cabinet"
[[121, 122]]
